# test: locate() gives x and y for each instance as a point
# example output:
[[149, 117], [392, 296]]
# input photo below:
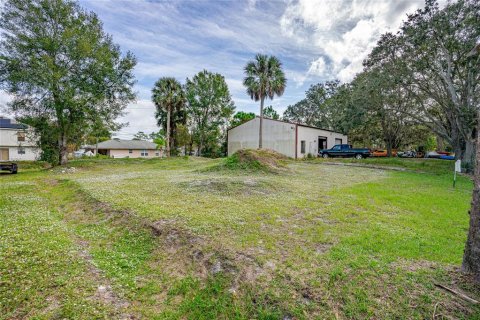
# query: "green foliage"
[[434, 45], [431, 144], [269, 112], [183, 136], [169, 100], [264, 78], [318, 108], [241, 117], [61, 67], [210, 108], [414, 83], [140, 135]]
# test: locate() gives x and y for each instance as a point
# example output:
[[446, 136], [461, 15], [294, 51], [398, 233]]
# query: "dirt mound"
[[257, 160]]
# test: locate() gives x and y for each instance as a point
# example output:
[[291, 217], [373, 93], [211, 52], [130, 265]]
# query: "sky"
[[316, 40]]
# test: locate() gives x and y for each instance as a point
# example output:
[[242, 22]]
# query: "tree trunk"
[[96, 146], [389, 148], [199, 148], [469, 154], [167, 140], [260, 131], [62, 146], [471, 255]]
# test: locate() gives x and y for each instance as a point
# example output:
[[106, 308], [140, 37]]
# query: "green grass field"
[[182, 239]]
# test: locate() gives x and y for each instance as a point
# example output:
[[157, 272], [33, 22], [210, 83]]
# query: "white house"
[[16, 142], [117, 148], [291, 139]]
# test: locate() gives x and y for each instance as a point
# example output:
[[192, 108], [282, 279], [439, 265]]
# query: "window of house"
[[130, 151], [157, 154], [338, 141], [21, 150], [144, 153], [302, 146], [21, 136]]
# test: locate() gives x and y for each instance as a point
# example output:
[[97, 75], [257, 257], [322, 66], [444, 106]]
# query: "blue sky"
[[316, 40]]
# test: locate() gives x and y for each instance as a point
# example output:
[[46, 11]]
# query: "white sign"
[[458, 166]]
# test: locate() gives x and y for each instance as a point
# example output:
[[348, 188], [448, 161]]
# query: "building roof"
[[296, 124], [6, 123], [126, 144]]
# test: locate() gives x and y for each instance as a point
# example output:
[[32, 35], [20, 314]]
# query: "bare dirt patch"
[[228, 186]]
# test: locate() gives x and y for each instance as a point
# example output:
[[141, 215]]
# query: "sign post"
[[458, 168]]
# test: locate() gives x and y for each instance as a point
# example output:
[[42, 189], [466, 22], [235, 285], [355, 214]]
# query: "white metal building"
[[291, 139], [16, 142]]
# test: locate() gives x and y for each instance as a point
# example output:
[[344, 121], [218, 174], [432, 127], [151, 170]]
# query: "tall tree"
[[140, 135], [302, 112], [210, 108], [169, 98], [318, 108], [264, 78], [269, 112], [241, 117], [61, 67], [435, 44]]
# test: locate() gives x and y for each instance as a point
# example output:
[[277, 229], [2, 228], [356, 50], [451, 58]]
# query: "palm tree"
[[264, 78], [168, 96]]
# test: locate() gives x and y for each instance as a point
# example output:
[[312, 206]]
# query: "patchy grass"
[[174, 239], [435, 166], [41, 275]]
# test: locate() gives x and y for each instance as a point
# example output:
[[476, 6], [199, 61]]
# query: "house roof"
[[296, 124], [126, 144], [6, 123]]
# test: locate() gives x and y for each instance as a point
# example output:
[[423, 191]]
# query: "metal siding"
[[278, 136], [310, 136]]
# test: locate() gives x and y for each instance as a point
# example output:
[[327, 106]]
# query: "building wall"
[[31, 154], [278, 136], [152, 153], [9, 140], [310, 136]]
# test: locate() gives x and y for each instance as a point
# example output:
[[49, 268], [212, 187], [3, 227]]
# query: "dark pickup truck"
[[9, 166], [344, 150]]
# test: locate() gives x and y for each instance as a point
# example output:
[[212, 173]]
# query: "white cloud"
[[316, 40], [140, 117], [4, 99], [317, 67], [342, 30]]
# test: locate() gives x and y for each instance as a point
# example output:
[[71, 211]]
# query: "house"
[[117, 148], [16, 141], [291, 139]]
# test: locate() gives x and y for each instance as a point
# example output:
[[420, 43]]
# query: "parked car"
[[344, 150], [9, 166], [440, 155], [383, 153], [408, 154]]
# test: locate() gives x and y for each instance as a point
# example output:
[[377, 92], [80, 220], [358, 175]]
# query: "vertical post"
[[458, 168], [260, 131]]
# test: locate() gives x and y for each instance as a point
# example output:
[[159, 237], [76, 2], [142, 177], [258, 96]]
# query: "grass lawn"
[[182, 239]]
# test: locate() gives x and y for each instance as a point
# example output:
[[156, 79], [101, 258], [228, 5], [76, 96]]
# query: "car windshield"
[[336, 148]]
